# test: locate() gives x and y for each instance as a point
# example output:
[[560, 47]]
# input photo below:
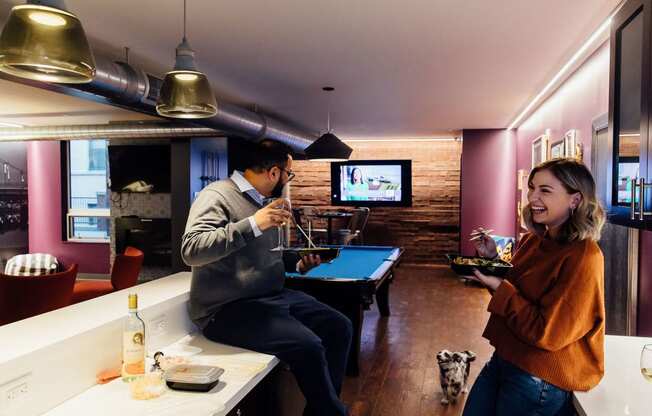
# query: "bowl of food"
[[464, 265]]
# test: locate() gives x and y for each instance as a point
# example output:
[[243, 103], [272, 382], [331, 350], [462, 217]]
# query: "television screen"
[[372, 183], [139, 168], [627, 170]]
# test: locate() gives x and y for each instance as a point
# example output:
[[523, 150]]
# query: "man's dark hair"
[[267, 154]]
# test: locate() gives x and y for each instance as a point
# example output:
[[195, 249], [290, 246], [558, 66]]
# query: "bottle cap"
[[133, 301]]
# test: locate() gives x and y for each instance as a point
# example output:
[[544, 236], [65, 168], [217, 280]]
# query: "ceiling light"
[[43, 41], [399, 139], [186, 92], [5, 124], [563, 71], [184, 76], [328, 147], [47, 19]]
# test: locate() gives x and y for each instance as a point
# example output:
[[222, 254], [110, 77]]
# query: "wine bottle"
[[133, 342]]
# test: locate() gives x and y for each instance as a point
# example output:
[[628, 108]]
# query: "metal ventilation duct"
[[150, 130], [121, 84]]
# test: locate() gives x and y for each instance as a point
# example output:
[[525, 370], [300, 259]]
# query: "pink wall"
[[580, 100], [488, 183], [44, 198]]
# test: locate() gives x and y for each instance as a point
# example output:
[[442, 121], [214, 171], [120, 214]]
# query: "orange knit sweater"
[[547, 317]]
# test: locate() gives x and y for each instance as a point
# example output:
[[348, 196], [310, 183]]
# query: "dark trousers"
[[502, 389], [312, 338]]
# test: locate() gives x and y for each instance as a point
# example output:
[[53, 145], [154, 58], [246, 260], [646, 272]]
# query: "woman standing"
[[547, 316]]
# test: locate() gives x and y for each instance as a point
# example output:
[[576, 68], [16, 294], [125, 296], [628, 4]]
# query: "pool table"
[[349, 284]]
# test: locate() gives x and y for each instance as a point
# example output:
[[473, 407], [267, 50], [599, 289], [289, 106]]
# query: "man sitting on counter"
[[237, 295]]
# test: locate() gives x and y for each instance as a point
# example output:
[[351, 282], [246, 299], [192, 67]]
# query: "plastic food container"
[[464, 265], [193, 377]]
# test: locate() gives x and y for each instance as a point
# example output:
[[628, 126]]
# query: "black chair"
[[318, 234], [299, 238], [356, 227]]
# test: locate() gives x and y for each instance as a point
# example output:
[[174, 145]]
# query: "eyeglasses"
[[291, 174]]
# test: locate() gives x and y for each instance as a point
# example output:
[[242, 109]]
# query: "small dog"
[[454, 373]]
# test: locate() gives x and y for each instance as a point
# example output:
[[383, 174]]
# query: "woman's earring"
[[572, 210]]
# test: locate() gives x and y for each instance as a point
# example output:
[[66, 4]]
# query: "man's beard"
[[277, 192]]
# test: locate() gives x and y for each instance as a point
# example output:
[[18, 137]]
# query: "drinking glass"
[[282, 244], [646, 362]]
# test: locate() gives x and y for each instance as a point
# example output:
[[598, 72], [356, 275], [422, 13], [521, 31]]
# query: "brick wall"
[[427, 230]]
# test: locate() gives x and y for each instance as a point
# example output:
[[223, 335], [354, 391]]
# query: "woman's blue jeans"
[[502, 389]]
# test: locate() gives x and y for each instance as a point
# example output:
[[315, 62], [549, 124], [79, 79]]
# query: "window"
[[97, 155], [86, 199]]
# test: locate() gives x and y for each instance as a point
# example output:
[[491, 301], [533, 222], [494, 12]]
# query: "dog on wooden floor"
[[454, 373]]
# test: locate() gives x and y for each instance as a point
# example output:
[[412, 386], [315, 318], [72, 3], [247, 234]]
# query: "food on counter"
[[105, 376], [163, 362], [147, 386]]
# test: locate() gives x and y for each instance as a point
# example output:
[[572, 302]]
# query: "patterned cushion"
[[36, 264]]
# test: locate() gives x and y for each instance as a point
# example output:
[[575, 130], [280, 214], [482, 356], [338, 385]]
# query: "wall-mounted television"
[[132, 163], [372, 183], [628, 169]]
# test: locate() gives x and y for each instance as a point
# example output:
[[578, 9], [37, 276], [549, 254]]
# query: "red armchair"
[[124, 274], [24, 296]]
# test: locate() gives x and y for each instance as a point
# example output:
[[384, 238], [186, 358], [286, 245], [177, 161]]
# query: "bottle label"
[[133, 352]]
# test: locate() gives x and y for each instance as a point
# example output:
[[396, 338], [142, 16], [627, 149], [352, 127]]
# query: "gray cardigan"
[[228, 262]]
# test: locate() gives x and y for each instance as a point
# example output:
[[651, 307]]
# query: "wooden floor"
[[431, 310]]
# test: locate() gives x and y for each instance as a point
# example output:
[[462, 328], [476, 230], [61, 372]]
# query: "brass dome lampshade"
[[186, 92], [43, 41]]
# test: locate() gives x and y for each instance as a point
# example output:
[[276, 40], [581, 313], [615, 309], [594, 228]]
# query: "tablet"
[[327, 254]]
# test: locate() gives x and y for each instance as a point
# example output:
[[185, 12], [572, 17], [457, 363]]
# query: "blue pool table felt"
[[353, 263]]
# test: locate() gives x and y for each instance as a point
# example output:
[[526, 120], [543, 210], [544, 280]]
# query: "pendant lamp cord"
[[329, 115], [328, 125], [328, 103]]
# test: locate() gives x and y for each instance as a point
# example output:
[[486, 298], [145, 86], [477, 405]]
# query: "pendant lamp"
[[43, 41], [186, 92], [328, 147]]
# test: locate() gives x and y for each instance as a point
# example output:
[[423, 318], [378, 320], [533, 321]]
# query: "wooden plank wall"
[[427, 230]]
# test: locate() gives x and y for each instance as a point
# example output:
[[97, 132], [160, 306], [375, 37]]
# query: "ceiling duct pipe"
[[148, 130], [120, 84]]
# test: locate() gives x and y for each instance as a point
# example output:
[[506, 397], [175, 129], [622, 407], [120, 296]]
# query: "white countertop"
[[623, 390], [243, 370], [32, 334]]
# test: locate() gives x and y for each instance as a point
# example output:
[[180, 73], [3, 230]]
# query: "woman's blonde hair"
[[588, 217]]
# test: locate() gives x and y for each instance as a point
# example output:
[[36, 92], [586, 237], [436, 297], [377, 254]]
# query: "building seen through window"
[[88, 205]]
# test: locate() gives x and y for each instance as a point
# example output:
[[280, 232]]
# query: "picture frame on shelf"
[[540, 150], [558, 149], [572, 145]]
